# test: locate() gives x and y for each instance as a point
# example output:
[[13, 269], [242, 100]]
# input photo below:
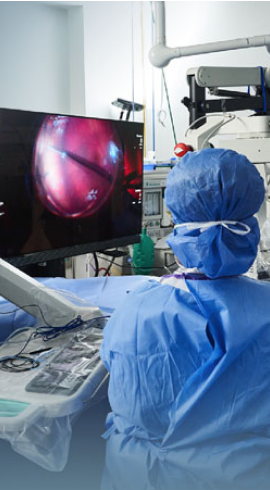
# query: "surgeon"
[[189, 354]]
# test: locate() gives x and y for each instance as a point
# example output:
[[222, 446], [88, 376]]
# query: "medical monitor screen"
[[68, 185]]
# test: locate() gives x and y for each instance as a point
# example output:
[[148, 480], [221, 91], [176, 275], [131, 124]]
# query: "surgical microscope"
[[214, 123]]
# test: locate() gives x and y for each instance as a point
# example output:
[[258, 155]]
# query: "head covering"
[[214, 185]]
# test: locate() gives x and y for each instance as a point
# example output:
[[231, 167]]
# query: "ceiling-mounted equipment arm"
[[160, 55]]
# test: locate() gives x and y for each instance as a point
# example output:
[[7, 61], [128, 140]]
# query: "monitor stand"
[[51, 268]]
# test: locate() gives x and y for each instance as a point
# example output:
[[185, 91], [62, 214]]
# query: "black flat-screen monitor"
[[68, 185]]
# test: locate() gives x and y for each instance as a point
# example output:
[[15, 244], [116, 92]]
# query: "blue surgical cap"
[[215, 185]]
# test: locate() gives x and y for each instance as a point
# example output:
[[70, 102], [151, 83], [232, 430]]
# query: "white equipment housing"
[[155, 214], [50, 307]]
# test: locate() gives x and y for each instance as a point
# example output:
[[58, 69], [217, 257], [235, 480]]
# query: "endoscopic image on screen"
[[67, 182]]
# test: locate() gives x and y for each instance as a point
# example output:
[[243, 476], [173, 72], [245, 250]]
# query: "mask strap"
[[203, 226]]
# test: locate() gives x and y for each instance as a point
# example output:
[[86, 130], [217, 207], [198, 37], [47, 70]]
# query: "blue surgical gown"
[[189, 363]]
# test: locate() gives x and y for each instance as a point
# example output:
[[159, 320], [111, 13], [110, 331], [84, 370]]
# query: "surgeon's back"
[[189, 355]]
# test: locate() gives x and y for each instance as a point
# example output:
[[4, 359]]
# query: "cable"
[[162, 113], [205, 117], [9, 312], [232, 117], [49, 333], [162, 117], [169, 104], [7, 362], [66, 293], [166, 91], [104, 269], [22, 362], [146, 268], [263, 90], [107, 271], [89, 322], [96, 263], [11, 364], [40, 310], [14, 334]]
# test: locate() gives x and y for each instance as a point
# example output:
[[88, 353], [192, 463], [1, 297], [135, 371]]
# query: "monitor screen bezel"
[[73, 251]]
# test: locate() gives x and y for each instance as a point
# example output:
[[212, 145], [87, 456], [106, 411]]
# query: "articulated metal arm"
[[160, 55]]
